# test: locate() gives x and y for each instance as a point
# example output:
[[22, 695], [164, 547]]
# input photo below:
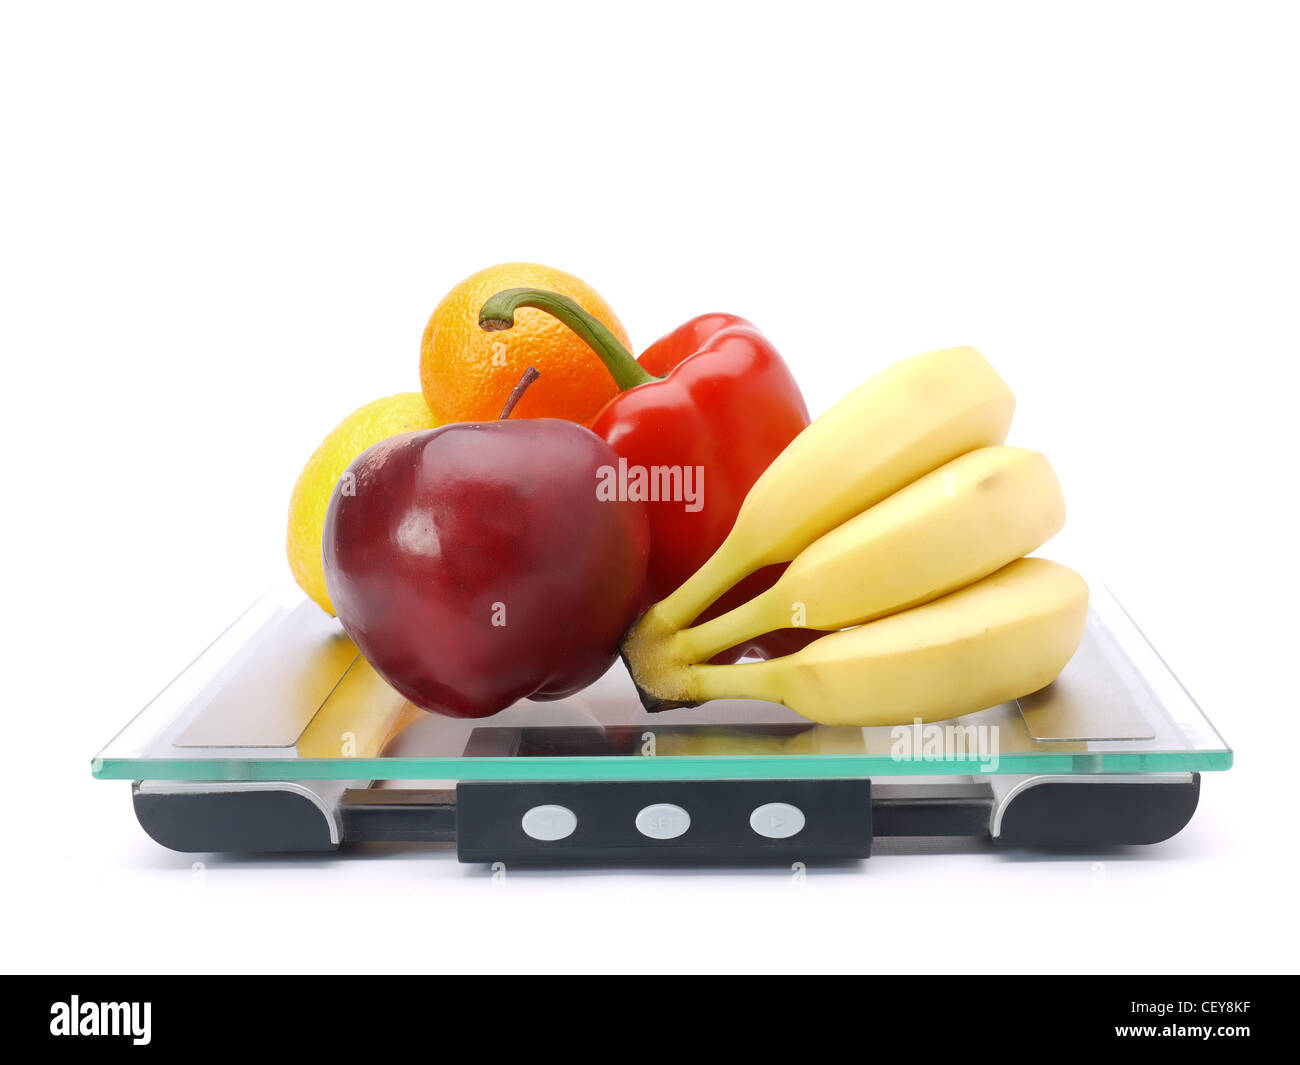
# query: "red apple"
[[474, 564]]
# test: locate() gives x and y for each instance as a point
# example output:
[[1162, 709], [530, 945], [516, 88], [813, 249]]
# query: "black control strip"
[[688, 820]]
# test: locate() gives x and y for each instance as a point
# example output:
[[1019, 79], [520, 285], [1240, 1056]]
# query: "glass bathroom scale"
[[281, 737]]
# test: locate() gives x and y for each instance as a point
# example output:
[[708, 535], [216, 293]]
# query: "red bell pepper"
[[706, 408]]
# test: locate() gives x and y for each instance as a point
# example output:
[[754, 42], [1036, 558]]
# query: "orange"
[[468, 374]]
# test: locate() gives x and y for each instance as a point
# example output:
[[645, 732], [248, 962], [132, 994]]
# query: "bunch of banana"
[[905, 522]]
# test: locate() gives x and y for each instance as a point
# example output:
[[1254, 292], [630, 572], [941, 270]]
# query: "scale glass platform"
[[280, 736]]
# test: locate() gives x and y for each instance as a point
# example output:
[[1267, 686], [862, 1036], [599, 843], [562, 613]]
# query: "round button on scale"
[[662, 820], [777, 820], [549, 823]]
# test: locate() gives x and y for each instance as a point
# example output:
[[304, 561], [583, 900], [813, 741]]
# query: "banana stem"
[[678, 609], [701, 642], [741, 680], [499, 313]]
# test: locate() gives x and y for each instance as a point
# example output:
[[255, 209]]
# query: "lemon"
[[405, 412]]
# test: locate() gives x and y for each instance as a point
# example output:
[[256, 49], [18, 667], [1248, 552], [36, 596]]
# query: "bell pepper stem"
[[499, 313]]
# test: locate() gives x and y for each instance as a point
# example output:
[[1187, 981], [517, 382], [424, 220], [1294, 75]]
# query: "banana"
[[951, 527], [901, 424], [1002, 637]]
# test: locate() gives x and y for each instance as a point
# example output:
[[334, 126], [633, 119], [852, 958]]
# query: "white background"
[[224, 226]]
